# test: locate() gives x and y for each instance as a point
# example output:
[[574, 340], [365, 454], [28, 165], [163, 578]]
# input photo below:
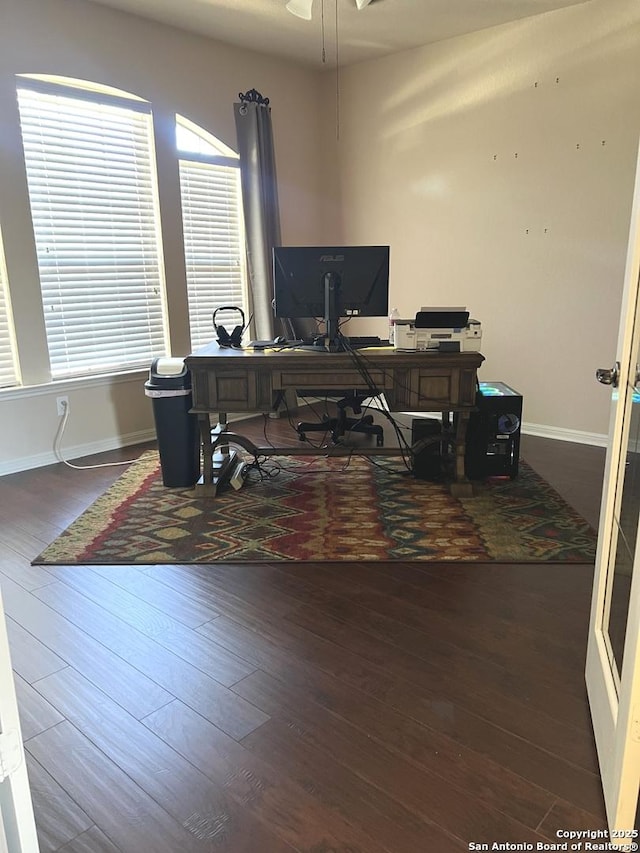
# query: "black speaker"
[[493, 434], [225, 338], [427, 446]]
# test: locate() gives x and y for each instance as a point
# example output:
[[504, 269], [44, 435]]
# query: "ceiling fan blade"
[[362, 3], [301, 8]]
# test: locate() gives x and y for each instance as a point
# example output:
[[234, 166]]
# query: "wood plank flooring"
[[360, 708]]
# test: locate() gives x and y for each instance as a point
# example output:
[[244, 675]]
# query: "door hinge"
[[10, 753]]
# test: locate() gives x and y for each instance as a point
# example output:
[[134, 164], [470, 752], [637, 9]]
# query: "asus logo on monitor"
[[325, 258]]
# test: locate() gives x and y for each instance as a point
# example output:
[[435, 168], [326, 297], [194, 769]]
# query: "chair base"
[[339, 426]]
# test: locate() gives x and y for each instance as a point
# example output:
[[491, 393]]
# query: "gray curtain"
[[260, 202]]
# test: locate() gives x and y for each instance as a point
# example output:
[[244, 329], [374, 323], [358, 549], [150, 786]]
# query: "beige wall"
[[176, 72], [499, 167]]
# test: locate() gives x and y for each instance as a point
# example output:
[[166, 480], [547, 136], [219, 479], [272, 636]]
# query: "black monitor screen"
[[358, 277]]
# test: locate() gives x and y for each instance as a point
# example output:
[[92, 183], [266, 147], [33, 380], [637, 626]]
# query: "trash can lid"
[[168, 367]]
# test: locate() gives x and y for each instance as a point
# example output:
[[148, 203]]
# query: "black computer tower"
[[493, 434]]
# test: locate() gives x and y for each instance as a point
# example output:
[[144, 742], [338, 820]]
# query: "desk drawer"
[[227, 391], [329, 380], [432, 389]]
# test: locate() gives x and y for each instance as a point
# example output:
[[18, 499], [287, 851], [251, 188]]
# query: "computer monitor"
[[331, 282]]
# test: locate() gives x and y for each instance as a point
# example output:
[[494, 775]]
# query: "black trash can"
[[169, 387]]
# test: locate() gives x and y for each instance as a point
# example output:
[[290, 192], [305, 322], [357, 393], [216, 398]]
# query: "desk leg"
[[217, 466], [461, 487], [204, 424]]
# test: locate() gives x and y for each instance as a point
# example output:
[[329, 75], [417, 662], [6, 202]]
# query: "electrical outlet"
[[62, 405]]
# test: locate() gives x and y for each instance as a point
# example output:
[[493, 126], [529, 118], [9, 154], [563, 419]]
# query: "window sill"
[[76, 384]]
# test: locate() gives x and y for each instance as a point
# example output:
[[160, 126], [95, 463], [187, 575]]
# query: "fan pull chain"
[[337, 78]]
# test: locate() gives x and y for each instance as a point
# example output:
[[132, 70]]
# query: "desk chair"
[[342, 424]]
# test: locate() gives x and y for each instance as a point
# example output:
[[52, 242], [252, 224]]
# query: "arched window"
[[92, 181], [92, 187], [212, 224]]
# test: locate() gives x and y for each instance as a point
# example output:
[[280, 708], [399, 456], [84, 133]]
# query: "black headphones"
[[224, 338]]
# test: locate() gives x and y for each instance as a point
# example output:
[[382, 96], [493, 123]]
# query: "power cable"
[[58, 452]]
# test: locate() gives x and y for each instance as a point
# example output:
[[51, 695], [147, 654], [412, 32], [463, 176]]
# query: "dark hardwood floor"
[[287, 707]]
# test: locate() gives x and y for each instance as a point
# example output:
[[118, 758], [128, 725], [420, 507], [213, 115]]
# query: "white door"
[[17, 826], [613, 653]]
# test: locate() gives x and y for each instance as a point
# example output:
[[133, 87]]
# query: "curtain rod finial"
[[253, 96]]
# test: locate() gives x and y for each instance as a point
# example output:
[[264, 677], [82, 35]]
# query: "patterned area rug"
[[310, 509]]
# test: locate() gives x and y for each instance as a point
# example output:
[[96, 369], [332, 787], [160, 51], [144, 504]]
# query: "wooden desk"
[[229, 380]]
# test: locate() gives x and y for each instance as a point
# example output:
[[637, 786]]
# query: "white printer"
[[444, 329]]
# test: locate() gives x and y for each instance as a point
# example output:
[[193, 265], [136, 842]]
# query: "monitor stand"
[[332, 340], [325, 344]]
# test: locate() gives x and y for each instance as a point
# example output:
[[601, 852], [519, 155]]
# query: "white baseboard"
[[38, 460], [25, 463], [560, 434], [543, 431]]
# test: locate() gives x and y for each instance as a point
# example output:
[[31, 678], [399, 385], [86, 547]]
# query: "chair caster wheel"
[[302, 436]]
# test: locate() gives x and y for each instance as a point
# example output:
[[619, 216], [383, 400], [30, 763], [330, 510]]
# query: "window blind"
[[91, 177], [8, 371], [213, 244]]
